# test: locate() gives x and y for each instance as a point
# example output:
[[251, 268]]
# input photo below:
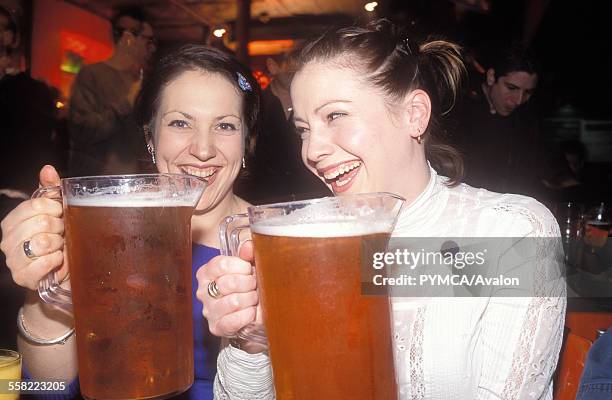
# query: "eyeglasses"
[[151, 41]]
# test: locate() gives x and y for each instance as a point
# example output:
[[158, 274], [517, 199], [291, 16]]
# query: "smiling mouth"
[[342, 175], [208, 174]]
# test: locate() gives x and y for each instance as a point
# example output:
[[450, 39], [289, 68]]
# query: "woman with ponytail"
[[367, 102]]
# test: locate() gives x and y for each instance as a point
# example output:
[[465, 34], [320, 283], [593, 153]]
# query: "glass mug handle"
[[49, 288], [229, 237]]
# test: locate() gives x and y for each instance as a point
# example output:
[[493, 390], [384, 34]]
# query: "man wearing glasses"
[[104, 136]]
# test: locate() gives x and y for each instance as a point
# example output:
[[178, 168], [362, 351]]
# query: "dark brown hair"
[[197, 57], [514, 57], [395, 63]]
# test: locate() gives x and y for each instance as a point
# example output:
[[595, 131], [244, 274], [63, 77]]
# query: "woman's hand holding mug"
[[32, 237], [227, 289]]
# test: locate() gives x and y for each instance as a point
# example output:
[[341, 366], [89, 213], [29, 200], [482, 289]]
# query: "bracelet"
[[33, 339]]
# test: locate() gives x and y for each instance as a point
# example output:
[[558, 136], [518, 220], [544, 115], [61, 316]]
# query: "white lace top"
[[455, 348]]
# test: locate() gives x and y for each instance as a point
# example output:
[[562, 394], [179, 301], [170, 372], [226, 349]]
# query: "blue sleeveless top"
[[205, 345]]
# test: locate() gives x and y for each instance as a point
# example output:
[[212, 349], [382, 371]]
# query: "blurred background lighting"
[[219, 32], [370, 6]]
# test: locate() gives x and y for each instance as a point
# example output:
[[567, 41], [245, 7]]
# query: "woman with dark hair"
[[198, 108], [366, 103]]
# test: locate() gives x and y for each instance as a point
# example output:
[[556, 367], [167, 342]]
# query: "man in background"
[[278, 173], [104, 136], [28, 140], [28, 117], [497, 130]]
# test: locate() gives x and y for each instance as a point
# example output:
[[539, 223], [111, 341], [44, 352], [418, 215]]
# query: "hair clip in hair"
[[243, 83]]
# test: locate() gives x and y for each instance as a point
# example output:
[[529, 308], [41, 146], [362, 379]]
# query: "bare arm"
[[40, 221], [56, 361]]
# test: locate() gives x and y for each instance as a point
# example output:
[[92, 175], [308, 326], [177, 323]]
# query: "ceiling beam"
[[195, 15]]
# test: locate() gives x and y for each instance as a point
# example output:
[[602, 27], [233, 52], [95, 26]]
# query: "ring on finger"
[[213, 290], [27, 249]]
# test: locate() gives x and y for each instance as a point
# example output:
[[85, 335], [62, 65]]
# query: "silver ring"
[[213, 290], [27, 249]]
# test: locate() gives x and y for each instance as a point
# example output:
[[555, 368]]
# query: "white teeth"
[[199, 172], [343, 169], [341, 183]]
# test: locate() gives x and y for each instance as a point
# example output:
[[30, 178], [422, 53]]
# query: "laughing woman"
[[198, 108], [366, 103]]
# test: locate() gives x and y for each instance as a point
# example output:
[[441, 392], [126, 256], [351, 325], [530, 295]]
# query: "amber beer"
[[326, 339], [130, 271]]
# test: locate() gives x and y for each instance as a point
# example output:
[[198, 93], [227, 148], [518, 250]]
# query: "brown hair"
[[197, 57], [397, 64]]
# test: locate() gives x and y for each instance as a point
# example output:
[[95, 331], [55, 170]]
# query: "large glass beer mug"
[[326, 339], [128, 244]]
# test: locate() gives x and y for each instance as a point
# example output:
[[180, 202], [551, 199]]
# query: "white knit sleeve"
[[243, 376], [522, 335]]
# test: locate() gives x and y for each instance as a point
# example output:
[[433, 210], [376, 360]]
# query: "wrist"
[[45, 320], [37, 340], [248, 346]]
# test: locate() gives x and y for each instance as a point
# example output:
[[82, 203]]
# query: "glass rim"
[[133, 176], [322, 200], [9, 353]]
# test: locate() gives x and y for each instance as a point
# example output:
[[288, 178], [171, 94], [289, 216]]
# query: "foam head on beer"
[[132, 200], [320, 229], [321, 220]]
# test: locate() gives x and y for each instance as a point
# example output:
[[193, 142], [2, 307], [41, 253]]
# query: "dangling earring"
[[420, 137], [152, 152], [243, 163], [148, 137]]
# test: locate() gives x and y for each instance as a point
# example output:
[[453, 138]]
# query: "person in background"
[[104, 136], [366, 128], [197, 108], [281, 70], [29, 133], [596, 379], [277, 173], [566, 182], [573, 177], [9, 39], [29, 121], [496, 130]]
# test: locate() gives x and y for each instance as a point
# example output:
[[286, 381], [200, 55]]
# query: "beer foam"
[[133, 200], [342, 228]]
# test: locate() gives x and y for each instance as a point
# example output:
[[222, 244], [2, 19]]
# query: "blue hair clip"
[[243, 83]]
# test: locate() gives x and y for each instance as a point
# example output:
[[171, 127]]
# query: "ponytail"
[[443, 62], [442, 73]]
